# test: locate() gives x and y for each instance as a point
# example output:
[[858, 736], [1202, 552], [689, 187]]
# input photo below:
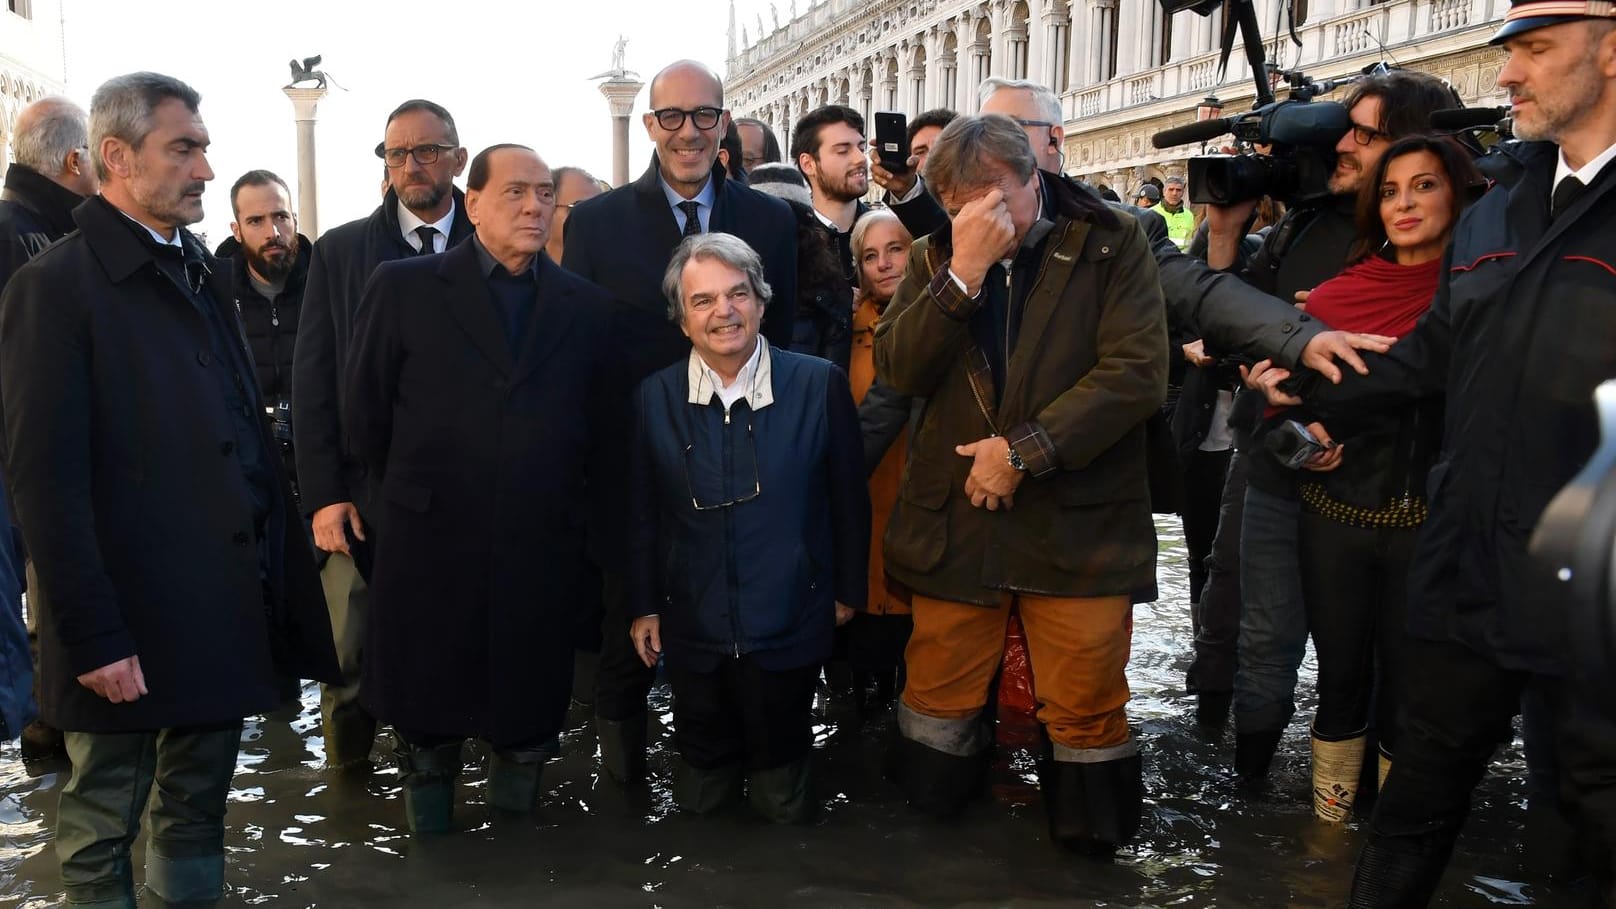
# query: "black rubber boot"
[[1212, 710], [1401, 873], [784, 795], [706, 791], [428, 775], [622, 747], [935, 782], [1254, 753], [514, 775], [1093, 808], [41, 742]]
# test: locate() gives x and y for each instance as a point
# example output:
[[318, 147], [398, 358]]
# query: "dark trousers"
[[113, 779], [1216, 614], [1457, 709], [1355, 584], [741, 713], [622, 680], [1204, 473]]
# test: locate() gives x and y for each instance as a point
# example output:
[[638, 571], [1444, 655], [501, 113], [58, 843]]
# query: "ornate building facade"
[[33, 62], [1122, 68]]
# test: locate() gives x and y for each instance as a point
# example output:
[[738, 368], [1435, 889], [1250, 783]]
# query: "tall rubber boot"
[[622, 747], [785, 794], [939, 763], [1401, 873], [1212, 710], [514, 775], [1337, 767], [1093, 806], [428, 775], [188, 881], [1254, 753], [701, 791]]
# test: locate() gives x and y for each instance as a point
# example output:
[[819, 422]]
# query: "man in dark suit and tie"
[[477, 380], [422, 213], [623, 241]]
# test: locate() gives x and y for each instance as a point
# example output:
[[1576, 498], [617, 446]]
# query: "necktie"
[[692, 220], [1564, 195], [426, 232]]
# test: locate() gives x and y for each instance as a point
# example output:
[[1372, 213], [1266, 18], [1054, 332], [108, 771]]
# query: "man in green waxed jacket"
[[1034, 326]]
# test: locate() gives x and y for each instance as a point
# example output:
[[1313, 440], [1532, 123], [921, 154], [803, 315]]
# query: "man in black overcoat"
[[476, 382], [422, 213], [157, 515], [623, 241], [1516, 340]]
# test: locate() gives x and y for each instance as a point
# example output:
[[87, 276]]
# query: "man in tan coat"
[[1034, 325]]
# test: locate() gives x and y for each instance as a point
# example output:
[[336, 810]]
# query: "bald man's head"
[[52, 138], [686, 73]]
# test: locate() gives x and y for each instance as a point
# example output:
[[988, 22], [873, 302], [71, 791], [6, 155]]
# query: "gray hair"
[[970, 150], [862, 227], [59, 128], [1049, 106], [726, 248], [125, 106]]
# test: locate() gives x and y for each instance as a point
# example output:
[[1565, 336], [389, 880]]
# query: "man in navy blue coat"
[[476, 385], [622, 241], [750, 535]]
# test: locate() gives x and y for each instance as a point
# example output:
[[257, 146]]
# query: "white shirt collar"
[[408, 222], [1588, 171], [755, 381], [174, 241]]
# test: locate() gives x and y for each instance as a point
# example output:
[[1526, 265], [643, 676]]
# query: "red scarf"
[[1376, 296]]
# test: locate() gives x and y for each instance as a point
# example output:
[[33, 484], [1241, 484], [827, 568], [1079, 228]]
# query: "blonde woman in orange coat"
[[881, 248]]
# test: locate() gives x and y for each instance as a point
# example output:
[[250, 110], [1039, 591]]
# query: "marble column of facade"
[[1128, 28], [1057, 33], [1100, 14], [1077, 73], [964, 32], [1038, 45], [915, 85]]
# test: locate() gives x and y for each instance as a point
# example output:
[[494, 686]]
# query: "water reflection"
[[299, 836]]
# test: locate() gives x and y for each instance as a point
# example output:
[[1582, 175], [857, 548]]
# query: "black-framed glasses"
[[1363, 135], [1026, 123], [423, 154], [757, 481], [672, 118]]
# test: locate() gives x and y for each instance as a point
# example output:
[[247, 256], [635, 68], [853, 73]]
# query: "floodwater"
[[298, 836]]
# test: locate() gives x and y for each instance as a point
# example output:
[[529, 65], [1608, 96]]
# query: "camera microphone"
[[1457, 118], [1199, 131]]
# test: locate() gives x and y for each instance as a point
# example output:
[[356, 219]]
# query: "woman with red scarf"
[[1364, 500]]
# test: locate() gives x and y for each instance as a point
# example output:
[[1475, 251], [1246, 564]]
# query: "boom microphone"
[[1457, 118], [1199, 131]]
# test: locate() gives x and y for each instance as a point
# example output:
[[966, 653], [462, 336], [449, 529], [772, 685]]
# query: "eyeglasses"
[[1034, 122], [757, 482], [672, 118], [1363, 135], [423, 154]]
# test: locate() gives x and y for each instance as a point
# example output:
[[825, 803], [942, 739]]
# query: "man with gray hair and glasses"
[[180, 585], [748, 537], [422, 214]]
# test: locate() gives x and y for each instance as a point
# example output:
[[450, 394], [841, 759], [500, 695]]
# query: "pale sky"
[[508, 71]]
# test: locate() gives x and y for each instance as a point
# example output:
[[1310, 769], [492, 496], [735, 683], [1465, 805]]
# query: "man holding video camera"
[[1308, 246]]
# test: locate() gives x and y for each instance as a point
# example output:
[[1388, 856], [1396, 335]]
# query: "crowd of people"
[[753, 420]]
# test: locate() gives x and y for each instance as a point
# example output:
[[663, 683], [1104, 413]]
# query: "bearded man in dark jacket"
[[421, 214], [270, 265]]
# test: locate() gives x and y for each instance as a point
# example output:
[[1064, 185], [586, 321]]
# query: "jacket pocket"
[[410, 498], [917, 536]]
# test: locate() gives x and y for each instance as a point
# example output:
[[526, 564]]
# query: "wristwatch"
[[1014, 459]]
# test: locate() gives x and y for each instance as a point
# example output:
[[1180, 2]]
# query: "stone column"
[[1078, 39], [620, 93], [304, 103]]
